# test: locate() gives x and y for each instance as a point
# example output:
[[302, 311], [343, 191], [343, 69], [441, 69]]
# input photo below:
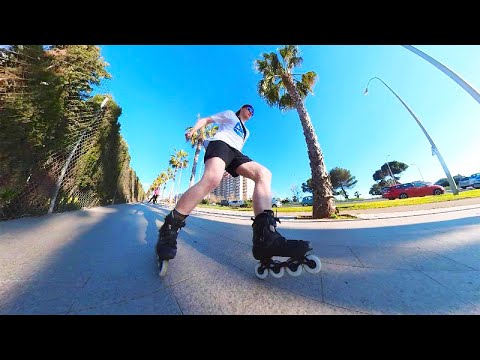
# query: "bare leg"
[[214, 169], [262, 194]]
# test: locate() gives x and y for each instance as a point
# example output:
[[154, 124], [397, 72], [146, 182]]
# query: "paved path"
[[101, 261]]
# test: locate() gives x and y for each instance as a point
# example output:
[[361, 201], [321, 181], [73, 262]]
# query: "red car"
[[412, 189]]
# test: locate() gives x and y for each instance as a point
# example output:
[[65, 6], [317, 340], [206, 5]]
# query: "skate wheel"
[[296, 272], [162, 265], [260, 273], [312, 264], [278, 274]]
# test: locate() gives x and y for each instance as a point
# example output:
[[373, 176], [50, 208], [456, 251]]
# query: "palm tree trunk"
[[194, 166], [323, 200], [173, 185], [179, 180], [163, 190]]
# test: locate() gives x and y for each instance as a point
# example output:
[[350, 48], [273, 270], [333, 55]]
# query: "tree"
[[342, 179], [396, 167], [197, 141], [295, 193], [161, 179], [357, 194], [168, 176], [280, 87], [375, 189], [49, 105], [444, 181], [307, 186], [177, 161], [383, 178]]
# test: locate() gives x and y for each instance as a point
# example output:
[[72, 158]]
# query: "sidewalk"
[[378, 213]]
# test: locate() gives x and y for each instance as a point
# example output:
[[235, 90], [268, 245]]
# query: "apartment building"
[[234, 188]]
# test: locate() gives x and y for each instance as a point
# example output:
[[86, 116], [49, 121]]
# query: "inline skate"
[[166, 247], [267, 243]]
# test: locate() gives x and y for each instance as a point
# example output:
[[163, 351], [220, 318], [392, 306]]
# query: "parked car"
[[476, 182], [412, 189], [224, 203], [472, 180], [276, 202], [464, 182], [235, 203], [307, 200]]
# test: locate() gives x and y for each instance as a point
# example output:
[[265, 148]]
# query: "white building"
[[234, 188]]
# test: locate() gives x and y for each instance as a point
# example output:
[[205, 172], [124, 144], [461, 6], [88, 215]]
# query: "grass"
[[341, 206], [411, 201], [333, 217]]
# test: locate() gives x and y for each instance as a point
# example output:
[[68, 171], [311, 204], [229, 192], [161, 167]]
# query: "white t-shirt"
[[230, 130]]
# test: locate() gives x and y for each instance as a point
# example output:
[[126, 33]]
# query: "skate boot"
[[166, 248], [267, 243]]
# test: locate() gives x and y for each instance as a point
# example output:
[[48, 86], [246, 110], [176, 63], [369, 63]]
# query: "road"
[[101, 261]]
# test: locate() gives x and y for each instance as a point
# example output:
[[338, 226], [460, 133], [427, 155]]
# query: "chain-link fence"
[[60, 147]]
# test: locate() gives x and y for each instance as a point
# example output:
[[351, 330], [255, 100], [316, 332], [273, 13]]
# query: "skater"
[[156, 192], [223, 152]]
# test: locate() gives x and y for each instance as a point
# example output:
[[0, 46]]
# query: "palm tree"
[[280, 87], [197, 141], [161, 179], [177, 161], [168, 175], [182, 164]]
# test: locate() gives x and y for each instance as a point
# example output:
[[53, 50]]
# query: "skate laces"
[[169, 231], [272, 226], [175, 228]]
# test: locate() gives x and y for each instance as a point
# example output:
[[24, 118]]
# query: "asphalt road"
[[101, 261]]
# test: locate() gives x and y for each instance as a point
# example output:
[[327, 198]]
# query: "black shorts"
[[232, 157]]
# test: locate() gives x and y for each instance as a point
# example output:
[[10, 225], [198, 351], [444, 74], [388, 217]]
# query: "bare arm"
[[200, 124]]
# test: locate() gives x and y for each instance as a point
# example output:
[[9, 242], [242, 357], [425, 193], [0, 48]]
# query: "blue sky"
[[162, 88]]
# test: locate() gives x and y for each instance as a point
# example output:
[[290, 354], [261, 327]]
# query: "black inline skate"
[[166, 248], [267, 243]]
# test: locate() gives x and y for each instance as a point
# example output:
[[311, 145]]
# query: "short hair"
[[238, 112]]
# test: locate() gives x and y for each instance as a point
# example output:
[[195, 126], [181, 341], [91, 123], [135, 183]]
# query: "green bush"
[[247, 204]]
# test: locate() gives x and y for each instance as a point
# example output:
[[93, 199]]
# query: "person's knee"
[[211, 182], [264, 174]]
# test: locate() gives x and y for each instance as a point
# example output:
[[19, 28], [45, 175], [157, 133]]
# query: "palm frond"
[[286, 102], [309, 79], [290, 55]]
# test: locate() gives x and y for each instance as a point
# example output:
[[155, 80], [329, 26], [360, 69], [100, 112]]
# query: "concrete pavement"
[[101, 261]]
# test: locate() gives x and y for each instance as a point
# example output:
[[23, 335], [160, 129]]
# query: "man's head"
[[245, 112]]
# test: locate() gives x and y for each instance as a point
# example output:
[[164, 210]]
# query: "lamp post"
[[467, 87], [389, 169], [435, 151], [418, 171]]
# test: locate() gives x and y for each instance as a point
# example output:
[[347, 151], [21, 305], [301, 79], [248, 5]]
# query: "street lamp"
[[466, 86], [418, 170], [389, 169], [435, 151]]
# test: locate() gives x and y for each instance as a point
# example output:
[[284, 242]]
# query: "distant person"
[[223, 152], [156, 192]]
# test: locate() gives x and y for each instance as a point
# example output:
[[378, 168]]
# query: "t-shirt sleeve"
[[223, 117]]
